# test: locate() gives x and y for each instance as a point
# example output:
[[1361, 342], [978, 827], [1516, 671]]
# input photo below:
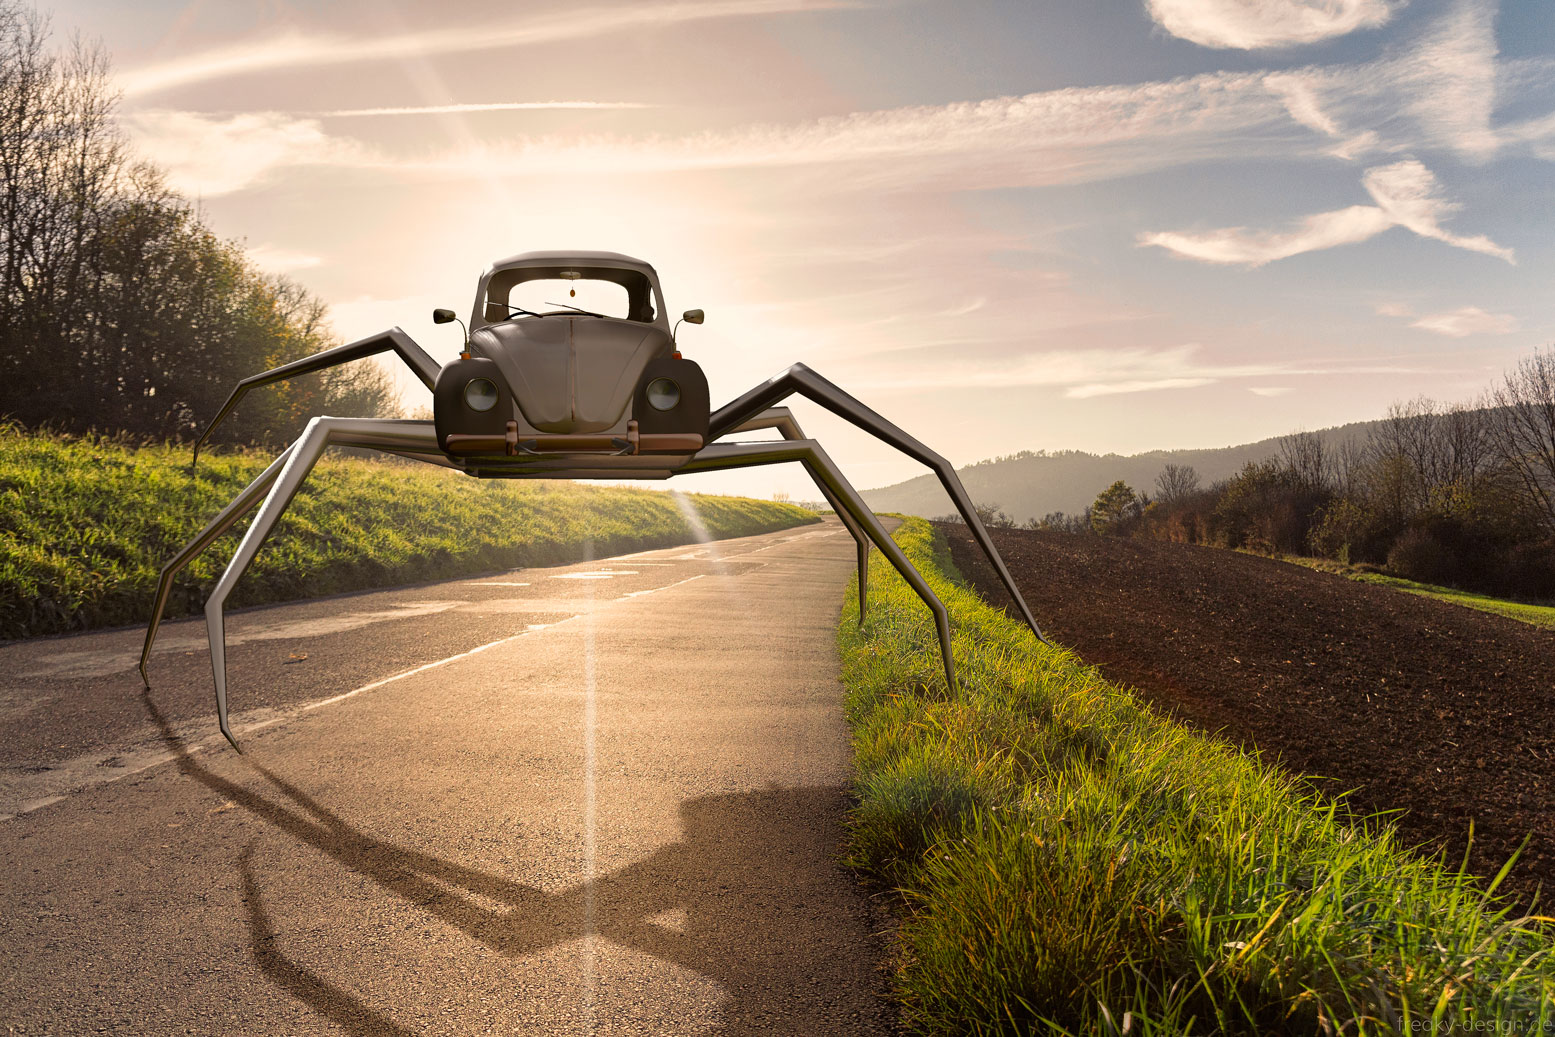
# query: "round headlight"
[[663, 394], [480, 394]]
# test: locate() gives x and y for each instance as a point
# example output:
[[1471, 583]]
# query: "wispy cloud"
[[1406, 193], [1255, 248], [275, 260], [1087, 373], [298, 49], [1299, 93], [1054, 137], [206, 156], [1270, 390], [1081, 392], [970, 306], [1449, 82], [1257, 24], [1060, 136], [1537, 132], [1411, 197], [1438, 89], [497, 106], [1458, 323], [1467, 320]]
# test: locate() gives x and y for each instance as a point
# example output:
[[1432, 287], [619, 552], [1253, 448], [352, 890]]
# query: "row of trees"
[[1461, 494], [120, 310]]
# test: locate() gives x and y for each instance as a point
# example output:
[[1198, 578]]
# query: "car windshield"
[[546, 294], [618, 292]]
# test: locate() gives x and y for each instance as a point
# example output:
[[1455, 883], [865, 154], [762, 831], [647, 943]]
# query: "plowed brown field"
[[1436, 710]]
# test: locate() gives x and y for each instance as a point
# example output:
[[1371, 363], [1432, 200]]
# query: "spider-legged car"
[[547, 390]]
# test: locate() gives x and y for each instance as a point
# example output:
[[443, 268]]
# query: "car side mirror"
[[442, 316], [692, 316]]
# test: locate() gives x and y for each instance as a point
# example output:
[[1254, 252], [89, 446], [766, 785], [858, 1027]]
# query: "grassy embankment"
[[86, 526], [1072, 862], [1526, 612]]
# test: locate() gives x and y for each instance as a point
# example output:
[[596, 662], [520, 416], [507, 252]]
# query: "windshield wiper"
[[574, 309], [518, 311]]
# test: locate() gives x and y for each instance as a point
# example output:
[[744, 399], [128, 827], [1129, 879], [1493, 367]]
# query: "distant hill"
[[1032, 484]]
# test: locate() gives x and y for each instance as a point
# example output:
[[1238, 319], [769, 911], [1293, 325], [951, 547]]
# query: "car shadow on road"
[[789, 944]]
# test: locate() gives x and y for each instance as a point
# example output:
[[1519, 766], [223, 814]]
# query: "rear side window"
[[545, 295]]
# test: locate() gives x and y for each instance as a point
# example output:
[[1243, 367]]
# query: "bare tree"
[[1434, 452], [1303, 456], [992, 515], [1399, 448], [1349, 466], [1059, 522], [1464, 433], [61, 155], [1523, 430], [1176, 483]]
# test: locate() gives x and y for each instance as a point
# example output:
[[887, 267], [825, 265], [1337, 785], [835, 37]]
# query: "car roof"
[[558, 258]]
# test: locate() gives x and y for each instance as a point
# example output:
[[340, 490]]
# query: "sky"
[[1020, 225]]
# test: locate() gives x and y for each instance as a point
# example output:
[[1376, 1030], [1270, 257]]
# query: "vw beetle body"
[[539, 393]]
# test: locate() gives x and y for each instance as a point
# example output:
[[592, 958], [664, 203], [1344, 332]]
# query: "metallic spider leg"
[[742, 455], [782, 419], [416, 358], [223, 521], [386, 435], [800, 379]]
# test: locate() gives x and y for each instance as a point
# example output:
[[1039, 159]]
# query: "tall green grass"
[[1071, 862], [86, 525]]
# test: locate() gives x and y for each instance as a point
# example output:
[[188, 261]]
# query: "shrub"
[[1115, 509], [1420, 555], [1267, 508], [1186, 519], [1351, 532], [1529, 571]]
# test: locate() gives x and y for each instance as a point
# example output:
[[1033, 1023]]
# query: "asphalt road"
[[600, 798]]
